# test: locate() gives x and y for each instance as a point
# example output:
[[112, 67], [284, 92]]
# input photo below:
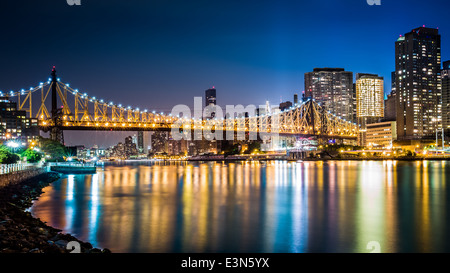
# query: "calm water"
[[256, 207]]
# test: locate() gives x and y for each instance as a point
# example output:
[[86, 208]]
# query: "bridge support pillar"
[[56, 132]]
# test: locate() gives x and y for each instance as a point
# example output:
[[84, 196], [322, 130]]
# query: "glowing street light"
[[13, 144]]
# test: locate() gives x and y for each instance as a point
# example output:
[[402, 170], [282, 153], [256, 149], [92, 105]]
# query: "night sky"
[[156, 54]]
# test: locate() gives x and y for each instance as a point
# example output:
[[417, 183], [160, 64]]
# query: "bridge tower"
[[56, 132]]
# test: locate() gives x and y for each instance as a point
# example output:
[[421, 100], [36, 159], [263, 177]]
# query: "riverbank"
[[373, 159], [379, 158], [20, 232]]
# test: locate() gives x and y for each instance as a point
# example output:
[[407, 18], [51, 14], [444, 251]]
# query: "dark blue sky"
[[156, 54]]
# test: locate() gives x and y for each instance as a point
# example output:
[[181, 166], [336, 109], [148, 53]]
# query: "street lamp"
[[13, 144]]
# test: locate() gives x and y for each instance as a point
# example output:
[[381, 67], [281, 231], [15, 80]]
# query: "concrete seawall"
[[19, 176]]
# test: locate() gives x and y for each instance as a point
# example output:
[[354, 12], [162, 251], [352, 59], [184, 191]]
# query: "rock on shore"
[[20, 232]]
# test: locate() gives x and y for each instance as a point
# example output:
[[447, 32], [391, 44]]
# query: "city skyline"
[[250, 129], [251, 53]]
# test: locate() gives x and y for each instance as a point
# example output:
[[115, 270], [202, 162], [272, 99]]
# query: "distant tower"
[[210, 97], [295, 98], [210, 100], [268, 110]]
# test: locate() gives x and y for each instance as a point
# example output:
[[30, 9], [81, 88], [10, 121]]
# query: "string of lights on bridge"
[[137, 109]]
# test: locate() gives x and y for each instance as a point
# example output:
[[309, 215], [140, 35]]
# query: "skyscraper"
[[369, 102], [418, 83], [210, 100], [210, 96], [390, 114], [369, 96], [332, 88], [446, 96]]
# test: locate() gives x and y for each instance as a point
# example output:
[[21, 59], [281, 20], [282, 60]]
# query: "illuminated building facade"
[[381, 135], [418, 83], [14, 124], [369, 102], [369, 96], [446, 96], [332, 88]]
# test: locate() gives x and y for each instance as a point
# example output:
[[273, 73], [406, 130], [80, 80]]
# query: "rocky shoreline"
[[20, 232]]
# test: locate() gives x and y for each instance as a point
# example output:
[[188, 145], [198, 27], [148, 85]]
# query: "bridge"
[[71, 109]]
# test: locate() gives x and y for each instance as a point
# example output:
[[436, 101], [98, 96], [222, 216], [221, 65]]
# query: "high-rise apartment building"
[[369, 96], [418, 83], [369, 102], [446, 96], [14, 124], [333, 89]]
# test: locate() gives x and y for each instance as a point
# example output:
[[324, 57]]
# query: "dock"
[[72, 167]]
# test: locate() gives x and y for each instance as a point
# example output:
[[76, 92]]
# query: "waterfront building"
[[382, 134], [15, 125], [369, 102], [446, 96], [369, 96], [159, 142], [177, 147], [333, 89], [418, 83], [138, 140], [130, 147]]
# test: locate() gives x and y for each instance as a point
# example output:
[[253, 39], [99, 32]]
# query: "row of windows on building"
[[14, 124]]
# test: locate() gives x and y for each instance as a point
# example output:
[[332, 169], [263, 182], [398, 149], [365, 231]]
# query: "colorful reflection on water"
[[334, 206]]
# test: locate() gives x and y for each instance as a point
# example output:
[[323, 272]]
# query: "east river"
[[269, 207]]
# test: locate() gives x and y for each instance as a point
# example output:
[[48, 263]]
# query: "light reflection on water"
[[278, 206]]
